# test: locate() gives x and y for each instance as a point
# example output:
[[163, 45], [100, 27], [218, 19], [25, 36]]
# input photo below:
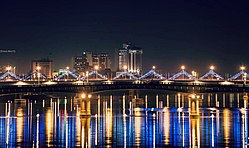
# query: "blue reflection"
[[53, 125]]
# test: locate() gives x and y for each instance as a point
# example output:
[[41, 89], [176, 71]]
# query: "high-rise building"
[[83, 62], [131, 57], [46, 66], [88, 60]]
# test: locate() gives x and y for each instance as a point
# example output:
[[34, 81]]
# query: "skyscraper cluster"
[[88, 60], [130, 58]]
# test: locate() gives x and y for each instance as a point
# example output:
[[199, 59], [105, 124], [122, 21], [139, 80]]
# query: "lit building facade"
[[88, 60], [131, 57], [46, 67], [83, 62]]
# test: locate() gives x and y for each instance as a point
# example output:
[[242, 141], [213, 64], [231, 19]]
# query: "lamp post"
[[125, 69], [183, 68], [8, 68], [194, 74], [67, 68], [38, 68], [14, 70], [242, 68], [87, 74], [212, 68], [244, 76], [154, 68], [96, 67]]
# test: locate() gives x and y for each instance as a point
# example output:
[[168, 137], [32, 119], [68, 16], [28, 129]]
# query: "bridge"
[[153, 74], [95, 87]]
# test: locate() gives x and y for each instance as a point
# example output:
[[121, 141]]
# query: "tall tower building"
[[83, 62], [102, 60], [46, 66], [131, 57], [88, 60]]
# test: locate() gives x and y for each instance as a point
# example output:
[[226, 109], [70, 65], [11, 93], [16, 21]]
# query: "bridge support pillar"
[[245, 98], [224, 100], [194, 105], [85, 105], [179, 100], [216, 100], [85, 131]]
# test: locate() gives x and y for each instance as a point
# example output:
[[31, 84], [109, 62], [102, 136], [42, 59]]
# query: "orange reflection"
[[138, 125], [85, 132], [19, 125], [195, 132], [108, 125], [227, 125], [49, 126], [166, 125]]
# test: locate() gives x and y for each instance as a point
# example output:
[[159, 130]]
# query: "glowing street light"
[[87, 74], [83, 95], [8, 68], [125, 67], [89, 96], [244, 77], [183, 67], [194, 74], [67, 68], [38, 68], [96, 67], [242, 68], [212, 67], [153, 67]]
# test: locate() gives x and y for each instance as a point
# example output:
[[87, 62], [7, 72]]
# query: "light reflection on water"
[[57, 122]]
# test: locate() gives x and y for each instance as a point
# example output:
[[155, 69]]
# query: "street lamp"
[[83, 95], [38, 68], [242, 68], [96, 67], [14, 70], [153, 67], [67, 68], [87, 74], [183, 67], [194, 74], [125, 69], [212, 68], [244, 76], [8, 68]]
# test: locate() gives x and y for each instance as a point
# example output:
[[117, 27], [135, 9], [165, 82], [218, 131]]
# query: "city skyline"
[[196, 34]]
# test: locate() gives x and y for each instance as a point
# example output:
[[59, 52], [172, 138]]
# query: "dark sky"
[[171, 32]]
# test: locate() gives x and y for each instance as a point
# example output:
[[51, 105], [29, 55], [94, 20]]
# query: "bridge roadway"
[[95, 87]]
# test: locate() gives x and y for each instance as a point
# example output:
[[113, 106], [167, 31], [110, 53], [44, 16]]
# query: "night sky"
[[171, 32]]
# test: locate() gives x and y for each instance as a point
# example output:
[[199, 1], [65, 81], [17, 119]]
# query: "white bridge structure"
[[152, 74]]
